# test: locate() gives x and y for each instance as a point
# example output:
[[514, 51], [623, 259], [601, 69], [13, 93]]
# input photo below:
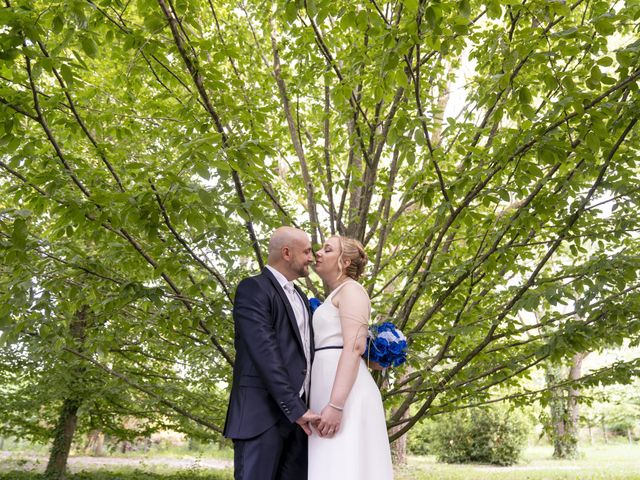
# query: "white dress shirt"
[[302, 319]]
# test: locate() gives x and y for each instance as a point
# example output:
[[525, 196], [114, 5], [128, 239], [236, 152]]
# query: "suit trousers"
[[279, 453]]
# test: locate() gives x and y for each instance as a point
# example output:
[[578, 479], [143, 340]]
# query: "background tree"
[[613, 411], [564, 407], [151, 146]]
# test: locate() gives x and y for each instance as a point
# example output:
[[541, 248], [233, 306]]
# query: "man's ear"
[[286, 253]]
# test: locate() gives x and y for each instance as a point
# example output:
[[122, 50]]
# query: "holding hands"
[[330, 419], [309, 418], [327, 423]]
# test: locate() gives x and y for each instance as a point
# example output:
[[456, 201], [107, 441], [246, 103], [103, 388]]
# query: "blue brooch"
[[314, 303]]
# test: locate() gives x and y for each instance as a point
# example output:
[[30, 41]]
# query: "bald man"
[[268, 418]]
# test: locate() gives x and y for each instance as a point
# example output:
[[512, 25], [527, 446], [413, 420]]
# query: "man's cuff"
[[293, 408]]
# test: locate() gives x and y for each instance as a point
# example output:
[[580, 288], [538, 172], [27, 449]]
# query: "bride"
[[352, 441]]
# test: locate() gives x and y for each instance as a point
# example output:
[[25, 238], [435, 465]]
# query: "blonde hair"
[[351, 249]]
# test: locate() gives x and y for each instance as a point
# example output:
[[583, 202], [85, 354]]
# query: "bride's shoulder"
[[355, 286], [352, 291]]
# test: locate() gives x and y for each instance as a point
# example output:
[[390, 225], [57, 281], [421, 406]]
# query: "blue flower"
[[386, 345], [386, 327], [397, 347], [399, 361], [381, 345], [314, 303]]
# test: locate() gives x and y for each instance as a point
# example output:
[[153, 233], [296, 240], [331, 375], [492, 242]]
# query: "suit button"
[[304, 371]]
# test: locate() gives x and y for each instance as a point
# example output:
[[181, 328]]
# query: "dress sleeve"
[[354, 309]]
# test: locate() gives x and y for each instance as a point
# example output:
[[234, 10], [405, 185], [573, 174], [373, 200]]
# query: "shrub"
[[420, 438], [490, 434]]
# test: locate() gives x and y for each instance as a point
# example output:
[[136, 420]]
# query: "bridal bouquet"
[[386, 346]]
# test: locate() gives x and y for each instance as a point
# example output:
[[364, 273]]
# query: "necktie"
[[298, 309]]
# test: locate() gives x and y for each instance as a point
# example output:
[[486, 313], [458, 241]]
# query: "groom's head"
[[290, 252]]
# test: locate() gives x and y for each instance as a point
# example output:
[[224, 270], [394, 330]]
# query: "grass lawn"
[[603, 462], [124, 474]]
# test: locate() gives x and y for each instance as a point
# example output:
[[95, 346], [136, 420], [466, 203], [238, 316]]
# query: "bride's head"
[[340, 258]]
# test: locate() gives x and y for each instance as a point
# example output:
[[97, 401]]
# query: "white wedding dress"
[[360, 449]]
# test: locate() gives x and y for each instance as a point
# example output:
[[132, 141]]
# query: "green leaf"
[[604, 24], [203, 171], [391, 62], [549, 81], [9, 54], [547, 154], [494, 9], [67, 74], [569, 32], [464, 7], [401, 79], [154, 22], [19, 233], [411, 5], [58, 23], [430, 15], [348, 20], [291, 11], [8, 140], [528, 111], [524, 95], [8, 125], [362, 20], [593, 142], [605, 61], [89, 46], [592, 83]]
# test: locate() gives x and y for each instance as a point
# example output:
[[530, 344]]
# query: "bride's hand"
[[330, 419]]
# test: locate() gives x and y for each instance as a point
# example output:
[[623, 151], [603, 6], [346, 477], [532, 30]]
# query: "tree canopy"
[[149, 147]]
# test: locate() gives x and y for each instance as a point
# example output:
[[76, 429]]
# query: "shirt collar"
[[282, 280]]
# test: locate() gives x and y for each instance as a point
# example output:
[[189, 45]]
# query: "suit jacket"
[[270, 366]]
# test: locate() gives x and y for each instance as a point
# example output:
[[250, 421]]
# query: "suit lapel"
[[285, 299], [309, 317]]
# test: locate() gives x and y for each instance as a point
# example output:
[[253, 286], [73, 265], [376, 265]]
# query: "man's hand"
[[305, 421], [330, 420]]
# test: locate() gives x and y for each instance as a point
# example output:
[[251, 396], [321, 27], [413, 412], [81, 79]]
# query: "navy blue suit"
[[269, 371]]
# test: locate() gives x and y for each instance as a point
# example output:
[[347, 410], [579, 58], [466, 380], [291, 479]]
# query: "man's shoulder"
[[258, 281], [257, 288]]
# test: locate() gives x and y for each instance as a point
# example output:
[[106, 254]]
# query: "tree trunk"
[[556, 411], [573, 410], [65, 428], [95, 443], [399, 446], [604, 429], [127, 446], [564, 409], [68, 419]]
